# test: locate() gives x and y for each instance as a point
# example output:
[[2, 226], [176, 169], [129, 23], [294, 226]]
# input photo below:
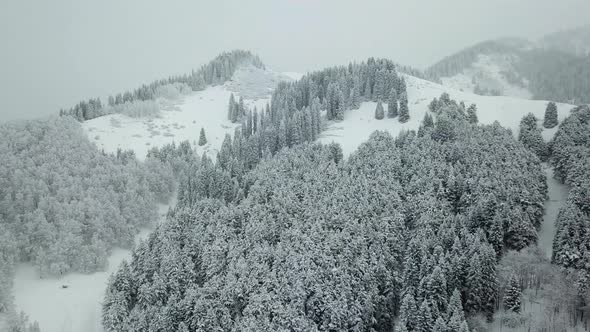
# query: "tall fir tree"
[[379, 112], [424, 319], [231, 109], [550, 120], [392, 108], [202, 137], [513, 295], [472, 114], [404, 112]]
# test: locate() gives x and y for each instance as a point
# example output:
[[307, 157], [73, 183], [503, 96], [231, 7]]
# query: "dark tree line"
[[571, 160], [215, 72], [530, 135], [408, 229]]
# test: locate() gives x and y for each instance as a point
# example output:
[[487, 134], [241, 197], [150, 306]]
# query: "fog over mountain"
[[56, 53]]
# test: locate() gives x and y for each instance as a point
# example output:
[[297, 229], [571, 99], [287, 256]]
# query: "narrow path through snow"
[[557, 195], [73, 309]]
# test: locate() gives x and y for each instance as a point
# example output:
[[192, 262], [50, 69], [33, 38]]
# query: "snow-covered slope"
[[575, 41], [489, 75], [183, 119], [358, 124]]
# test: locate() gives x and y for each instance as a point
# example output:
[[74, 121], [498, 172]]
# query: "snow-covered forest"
[[549, 73], [407, 229], [64, 204], [441, 220]]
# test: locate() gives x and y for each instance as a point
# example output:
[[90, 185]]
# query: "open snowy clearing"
[[358, 124], [76, 308], [183, 119], [489, 73], [557, 192]]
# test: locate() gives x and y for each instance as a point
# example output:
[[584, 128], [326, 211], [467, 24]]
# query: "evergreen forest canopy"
[[571, 160], [407, 229], [64, 204]]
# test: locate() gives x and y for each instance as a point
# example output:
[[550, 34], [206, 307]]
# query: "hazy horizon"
[[57, 53]]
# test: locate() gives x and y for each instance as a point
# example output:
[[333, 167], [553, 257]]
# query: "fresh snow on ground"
[[488, 72], [358, 124], [293, 75], [183, 119], [76, 308], [557, 192], [255, 83]]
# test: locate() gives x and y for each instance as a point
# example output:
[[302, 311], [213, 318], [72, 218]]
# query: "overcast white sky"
[[54, 53]]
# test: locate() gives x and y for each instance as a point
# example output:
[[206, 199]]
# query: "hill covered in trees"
[[571, 161], [404, 234], [215, 72], [64, 204], [548, 71]]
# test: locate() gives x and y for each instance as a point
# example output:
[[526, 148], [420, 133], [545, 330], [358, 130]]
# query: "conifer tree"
[[379, 112], [392, 108], [440, 325], [202, 137], [424, 319], [231, 109], [437, 289], [408, 312], [404, 112], [550, 120], [472, 114], [512, 297]]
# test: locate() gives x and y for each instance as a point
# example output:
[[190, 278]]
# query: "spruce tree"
[[404, 112], [379, 112], [437, 289], [392, 109], [472, 114], [408, 312], [440, 325], [202, 137], [531, 136], [512, 297], [550, 120], [231, 108], [424, 319]]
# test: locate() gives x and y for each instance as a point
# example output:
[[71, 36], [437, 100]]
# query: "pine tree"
[[255, 120], [241, 108], [440, 325], [379, 112], [392, 109], [472, 114], [473, 302], [202, 137], [340, 108], [512, 297], [408, 312], [424, 319], [404, 112], [550, 115], [455, 305], [531, 136], [437, 289]]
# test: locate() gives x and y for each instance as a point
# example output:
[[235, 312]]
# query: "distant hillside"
[[139, 101], [520, 68], [574, 41]]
